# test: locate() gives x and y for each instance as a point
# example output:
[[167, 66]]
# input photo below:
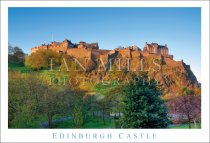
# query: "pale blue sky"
[[179, 28]]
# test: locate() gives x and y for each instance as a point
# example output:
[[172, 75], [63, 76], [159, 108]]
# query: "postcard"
[[104, 71]]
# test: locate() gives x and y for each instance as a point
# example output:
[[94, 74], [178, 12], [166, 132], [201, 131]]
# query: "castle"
[[154, 48], [91, 50]]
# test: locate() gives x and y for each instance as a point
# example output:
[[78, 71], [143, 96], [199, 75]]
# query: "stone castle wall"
[[126, 53], [55, 46], [89, 51], [80, 53], [35, 49]]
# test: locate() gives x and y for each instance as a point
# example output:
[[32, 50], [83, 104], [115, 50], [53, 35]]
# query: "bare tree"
[[186, 107]]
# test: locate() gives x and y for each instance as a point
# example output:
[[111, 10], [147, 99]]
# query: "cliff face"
[[120, 63], [171, 75]]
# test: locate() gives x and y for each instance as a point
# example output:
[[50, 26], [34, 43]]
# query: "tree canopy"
[[143, 106], [41, 59]]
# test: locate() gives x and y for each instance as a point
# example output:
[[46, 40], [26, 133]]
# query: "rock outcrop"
[[120, 63]]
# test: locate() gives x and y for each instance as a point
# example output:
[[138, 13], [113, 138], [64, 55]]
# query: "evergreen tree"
[[143, 106]]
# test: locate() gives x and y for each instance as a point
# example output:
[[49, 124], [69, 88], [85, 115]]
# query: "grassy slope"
[[185, 126], [17, 67], [91, 124]]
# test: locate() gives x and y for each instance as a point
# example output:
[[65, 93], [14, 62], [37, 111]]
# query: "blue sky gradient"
[[179, 28]]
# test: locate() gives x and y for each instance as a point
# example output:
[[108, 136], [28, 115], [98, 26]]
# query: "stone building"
[[91, 50], [154, 48], [56, 46], [80, 50], [88, 45]]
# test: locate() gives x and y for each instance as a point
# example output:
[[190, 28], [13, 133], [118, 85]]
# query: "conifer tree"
[[143, 106]]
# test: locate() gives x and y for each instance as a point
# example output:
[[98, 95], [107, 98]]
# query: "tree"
[[91, 105], [104, 107], [186, 106], [31, 97], [22, 102], [75, 106], [107, 99], [41, 59], [54, 100], [143, 106], [15, 55], [10, 49]]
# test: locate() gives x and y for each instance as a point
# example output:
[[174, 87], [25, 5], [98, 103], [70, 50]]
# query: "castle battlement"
[[154, 48], [89, 50]]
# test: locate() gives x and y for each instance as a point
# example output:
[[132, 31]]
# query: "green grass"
[[185, 126], [17, 67], [104, 88], [90, 124], [21, 68], [94, 124], [66, 124], [109, 124]]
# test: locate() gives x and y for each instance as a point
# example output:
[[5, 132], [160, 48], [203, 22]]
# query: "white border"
[[163, 135]]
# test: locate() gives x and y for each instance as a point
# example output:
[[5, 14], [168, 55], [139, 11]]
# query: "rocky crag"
[[95, 63]]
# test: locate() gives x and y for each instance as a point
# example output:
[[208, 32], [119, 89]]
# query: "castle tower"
[[155, 48]]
